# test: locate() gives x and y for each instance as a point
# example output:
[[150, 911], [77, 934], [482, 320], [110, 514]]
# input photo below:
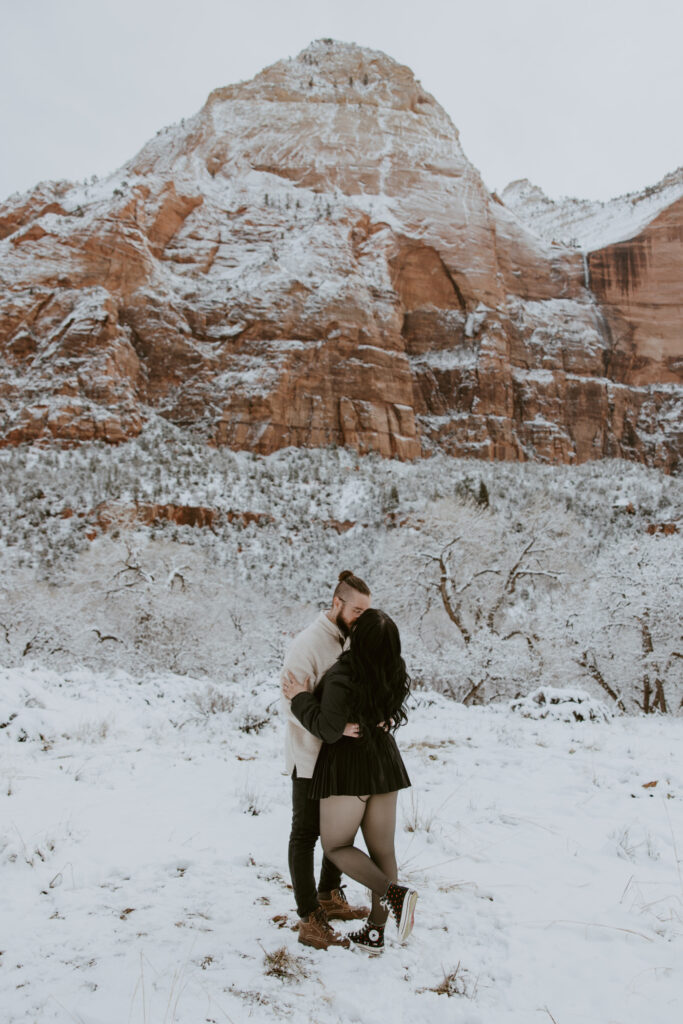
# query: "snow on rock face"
[[312, 259], [639, 283], [591, 224], [633, 264]]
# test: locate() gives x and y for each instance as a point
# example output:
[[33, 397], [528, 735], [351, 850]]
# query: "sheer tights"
[[375, 815]]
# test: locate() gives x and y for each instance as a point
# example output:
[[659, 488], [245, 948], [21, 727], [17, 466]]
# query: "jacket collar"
[[331, 629]]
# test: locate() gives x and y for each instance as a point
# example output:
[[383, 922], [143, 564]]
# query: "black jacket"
[[326, 711], [346, 765]]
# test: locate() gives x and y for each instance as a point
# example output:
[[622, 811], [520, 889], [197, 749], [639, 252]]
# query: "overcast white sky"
[[584, 97]]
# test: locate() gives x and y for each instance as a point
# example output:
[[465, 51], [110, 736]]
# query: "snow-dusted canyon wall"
[[311, 259]]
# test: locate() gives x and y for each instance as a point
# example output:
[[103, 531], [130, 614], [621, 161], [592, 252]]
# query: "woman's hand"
[[352, 729], [291, 686]]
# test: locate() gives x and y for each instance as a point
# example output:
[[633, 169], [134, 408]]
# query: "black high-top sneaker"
[[400, 901], [369, 938]]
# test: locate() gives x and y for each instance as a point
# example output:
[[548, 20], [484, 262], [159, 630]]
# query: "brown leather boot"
[[338, 908], [317, 932]]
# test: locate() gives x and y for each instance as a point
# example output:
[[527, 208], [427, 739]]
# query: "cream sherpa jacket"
[[310, 654]]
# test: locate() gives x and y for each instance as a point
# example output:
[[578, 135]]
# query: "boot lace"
[[321, 918]]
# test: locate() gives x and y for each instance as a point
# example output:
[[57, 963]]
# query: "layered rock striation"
[[312, 260]]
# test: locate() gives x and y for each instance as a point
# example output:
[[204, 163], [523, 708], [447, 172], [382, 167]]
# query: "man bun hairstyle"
[[349, 581]]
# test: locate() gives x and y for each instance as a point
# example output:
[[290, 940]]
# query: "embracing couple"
[[344, 687]]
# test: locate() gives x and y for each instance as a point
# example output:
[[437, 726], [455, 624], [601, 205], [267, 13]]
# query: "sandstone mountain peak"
[[337, 116], [523, 189], [311, 259], [328, 71]]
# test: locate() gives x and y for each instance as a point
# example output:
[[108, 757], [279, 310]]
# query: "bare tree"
[[479, 599]]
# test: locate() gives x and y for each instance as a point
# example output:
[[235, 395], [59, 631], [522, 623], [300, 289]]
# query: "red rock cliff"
[[639, 283], [311, 259]]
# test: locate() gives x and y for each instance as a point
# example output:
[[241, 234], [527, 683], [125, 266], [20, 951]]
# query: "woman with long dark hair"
[[357, 779]]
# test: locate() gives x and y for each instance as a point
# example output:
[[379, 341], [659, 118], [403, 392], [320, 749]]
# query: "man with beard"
[[310, 655]]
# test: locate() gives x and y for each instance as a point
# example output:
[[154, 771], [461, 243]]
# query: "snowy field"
[[144, 812], [143, 868]]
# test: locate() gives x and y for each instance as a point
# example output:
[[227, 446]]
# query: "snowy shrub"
[[416, 818], [212, 701], [562, 706], [251, 801], [90, 731], [25, 722], [32, 852], [457, 982], [284, 965], [253, 722], [635, 843]]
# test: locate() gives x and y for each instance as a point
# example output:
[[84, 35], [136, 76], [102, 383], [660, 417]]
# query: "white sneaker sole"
[[407, 921], [368, 950]]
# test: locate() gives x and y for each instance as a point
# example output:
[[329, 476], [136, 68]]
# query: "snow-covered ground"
[[144, 812], [143, 867]]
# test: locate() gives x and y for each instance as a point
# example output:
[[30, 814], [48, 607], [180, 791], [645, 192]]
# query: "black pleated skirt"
[[358, 767]]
